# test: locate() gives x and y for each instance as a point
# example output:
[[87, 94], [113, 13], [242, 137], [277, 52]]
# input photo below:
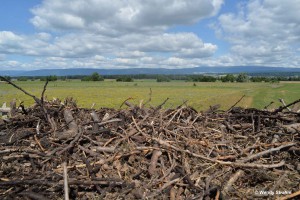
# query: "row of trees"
[[242, 77], [43, 78], [97, 77], [94, 77]]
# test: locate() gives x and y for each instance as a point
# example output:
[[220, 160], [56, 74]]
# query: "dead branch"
[[235, 103], [290, 196], [154, 159], [281, 108], [284, 104], [140, 153], [266, 152], [66, 185], [37, 100], [230, 182], [161, 105], [43, 93]]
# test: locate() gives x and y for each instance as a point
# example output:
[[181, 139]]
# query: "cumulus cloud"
[[263, 32], [119, 16], [136, 33], [89, 45], [104, 33]]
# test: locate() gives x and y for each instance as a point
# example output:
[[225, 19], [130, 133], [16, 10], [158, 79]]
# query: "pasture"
[[110, 93]]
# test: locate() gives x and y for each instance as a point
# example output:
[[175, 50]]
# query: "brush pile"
[[55, 150]]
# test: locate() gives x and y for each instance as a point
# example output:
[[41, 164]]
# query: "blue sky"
[[40, 34]]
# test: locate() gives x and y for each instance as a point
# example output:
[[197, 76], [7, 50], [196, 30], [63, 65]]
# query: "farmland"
[[110, 93]]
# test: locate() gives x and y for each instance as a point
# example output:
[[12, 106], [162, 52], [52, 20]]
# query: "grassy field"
[[111, 93]]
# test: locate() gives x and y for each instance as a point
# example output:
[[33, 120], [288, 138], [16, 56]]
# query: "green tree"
[[162, 79], [228, 78], [95, 77], [22, 78], [124, 79], [242, 77], [52, 78], [86, 78]]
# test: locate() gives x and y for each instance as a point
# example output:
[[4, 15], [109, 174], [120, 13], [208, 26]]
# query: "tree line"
[[241, 77]]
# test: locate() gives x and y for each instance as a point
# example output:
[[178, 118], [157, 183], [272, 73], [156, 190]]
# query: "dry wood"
[[290, 196], [230, 182], [66, 184], [281, 108], [236, 103], [266, 152], [141, 152], [154, 159], [284, 104]]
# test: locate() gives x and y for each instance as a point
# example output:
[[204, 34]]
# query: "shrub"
[[124, 79], [163, 79], [22, 78], [228, 78], [241, 78], [94, 77]]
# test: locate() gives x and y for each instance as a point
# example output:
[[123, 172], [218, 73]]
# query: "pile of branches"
[[55, 150]]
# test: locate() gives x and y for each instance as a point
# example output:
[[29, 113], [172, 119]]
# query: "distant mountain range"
[[196, 70]]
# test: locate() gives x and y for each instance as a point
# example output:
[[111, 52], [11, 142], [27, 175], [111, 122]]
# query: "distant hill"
[[196, 70]]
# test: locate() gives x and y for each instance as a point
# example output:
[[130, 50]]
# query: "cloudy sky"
[[39, 34]]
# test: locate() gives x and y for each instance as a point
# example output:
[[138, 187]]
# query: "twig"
[[37, 100], [217, 197], [284, 104], [40, 102], [267, 106], [230, 182], [104, 122], [173, 194], [180, 109], [163, 103], [53, 184], [125, 101], [66, 187], [150, 97], [92, 153], [281, 108], [154, 159], [95, 118], [236, 164], [236, 103], [258, 155], [43, 93], [38, 142], [157, 192], [72, 143], [290, 195], [33, 195], [106, 149]]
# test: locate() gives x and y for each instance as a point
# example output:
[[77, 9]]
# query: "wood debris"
[[56, 149]]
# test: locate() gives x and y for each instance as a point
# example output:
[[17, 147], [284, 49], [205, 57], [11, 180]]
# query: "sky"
[[53, 34]]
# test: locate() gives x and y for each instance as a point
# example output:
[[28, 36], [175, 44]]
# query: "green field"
[[111, 93]]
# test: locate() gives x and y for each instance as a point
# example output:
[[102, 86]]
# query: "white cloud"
[[180, 44], [264, 32], [98, 47], [104, 33], [135, 33], [119, 16], [132, 54]]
